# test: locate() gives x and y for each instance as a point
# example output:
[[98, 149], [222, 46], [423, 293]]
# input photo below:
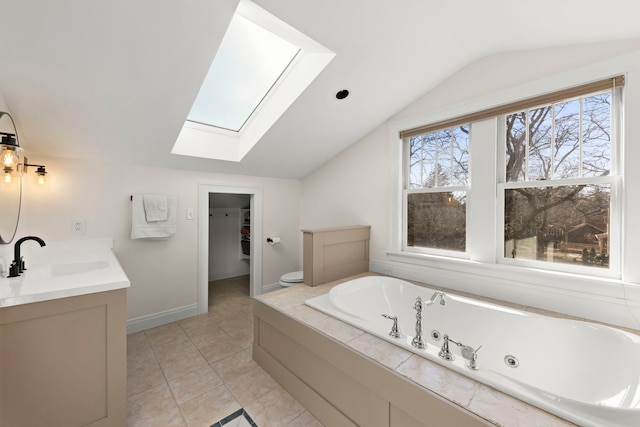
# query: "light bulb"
[[41, 179], [7, 177], [9, 158]]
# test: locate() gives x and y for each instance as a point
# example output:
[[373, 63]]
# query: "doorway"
[[223, 192]]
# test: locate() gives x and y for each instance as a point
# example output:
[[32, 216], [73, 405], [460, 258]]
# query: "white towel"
[[143, 229], [155, 207]]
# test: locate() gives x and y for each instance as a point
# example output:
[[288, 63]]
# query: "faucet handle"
[[14, 270], [471, 355], [395, 332]]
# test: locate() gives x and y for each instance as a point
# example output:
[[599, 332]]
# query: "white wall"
[[361, 184], [163, 274], [225, 255]]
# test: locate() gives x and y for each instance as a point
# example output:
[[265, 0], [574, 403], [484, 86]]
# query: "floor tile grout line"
[[241, 313]]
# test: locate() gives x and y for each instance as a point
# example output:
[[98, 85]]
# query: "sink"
[[64, 269], [68, 269]]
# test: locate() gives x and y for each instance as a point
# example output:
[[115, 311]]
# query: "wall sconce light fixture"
[[14, 164], [41, 172], [10, 156]]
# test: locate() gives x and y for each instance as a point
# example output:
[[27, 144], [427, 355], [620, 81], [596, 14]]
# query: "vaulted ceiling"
[[115, 80]]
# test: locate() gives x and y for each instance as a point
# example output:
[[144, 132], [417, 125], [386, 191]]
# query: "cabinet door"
[[63, 362]]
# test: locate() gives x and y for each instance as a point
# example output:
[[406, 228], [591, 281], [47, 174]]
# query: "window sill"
[[493, 275]]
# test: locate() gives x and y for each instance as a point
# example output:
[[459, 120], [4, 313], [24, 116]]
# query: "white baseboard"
[[228, 275], [270, 288], [161, 318]]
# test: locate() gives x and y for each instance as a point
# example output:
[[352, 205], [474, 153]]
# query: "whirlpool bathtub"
[[586, 373]]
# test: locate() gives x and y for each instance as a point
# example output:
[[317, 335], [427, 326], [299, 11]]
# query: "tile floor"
[[195, 372]]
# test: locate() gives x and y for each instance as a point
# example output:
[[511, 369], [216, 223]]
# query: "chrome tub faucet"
[[417, 341]]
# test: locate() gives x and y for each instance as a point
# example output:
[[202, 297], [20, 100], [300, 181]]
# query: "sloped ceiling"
[[114, 80]]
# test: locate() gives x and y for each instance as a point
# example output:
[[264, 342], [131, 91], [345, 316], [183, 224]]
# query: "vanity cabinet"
[[63, 362]]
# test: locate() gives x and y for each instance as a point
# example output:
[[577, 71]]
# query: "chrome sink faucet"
[[17, 266]]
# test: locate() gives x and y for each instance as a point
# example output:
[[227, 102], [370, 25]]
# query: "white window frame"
[[485, 239], [613, 180], [406, 191]]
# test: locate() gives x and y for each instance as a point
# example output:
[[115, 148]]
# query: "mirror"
[[10, 192]]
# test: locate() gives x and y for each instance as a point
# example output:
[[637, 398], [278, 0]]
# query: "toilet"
[[290, 279]]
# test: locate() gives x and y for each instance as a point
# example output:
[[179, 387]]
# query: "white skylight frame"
[[201, 140]]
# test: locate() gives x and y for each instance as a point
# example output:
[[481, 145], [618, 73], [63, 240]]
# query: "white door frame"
[[255, 262]]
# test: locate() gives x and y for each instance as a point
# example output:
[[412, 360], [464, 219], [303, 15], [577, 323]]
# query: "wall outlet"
[[79, 226], [189, 214]]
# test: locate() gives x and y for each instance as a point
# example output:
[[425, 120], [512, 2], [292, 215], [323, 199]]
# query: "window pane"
[[540, 126], [248, 63], [460, 153], [567, 140], [596, 134], [437, 220], [422, 149], [443, 177], [516, 146], [567, 224], [439, 159]]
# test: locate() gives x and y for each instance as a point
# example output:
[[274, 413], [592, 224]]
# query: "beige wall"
[[163, 274]]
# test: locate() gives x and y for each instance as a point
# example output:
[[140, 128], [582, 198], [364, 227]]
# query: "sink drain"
[[511, 361]]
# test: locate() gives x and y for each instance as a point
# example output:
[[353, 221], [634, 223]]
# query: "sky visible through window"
[[248, 63]]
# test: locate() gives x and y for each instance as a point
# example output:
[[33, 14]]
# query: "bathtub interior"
[[568, 363]]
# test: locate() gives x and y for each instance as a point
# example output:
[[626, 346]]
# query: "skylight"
[[248, 64], [262, 66]]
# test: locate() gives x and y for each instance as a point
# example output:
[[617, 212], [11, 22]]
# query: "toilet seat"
[[290, 279]]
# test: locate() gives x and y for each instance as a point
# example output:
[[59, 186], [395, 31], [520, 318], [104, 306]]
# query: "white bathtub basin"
[[583, 372]]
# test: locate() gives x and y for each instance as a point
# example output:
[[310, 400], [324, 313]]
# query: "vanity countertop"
[[64, 269]]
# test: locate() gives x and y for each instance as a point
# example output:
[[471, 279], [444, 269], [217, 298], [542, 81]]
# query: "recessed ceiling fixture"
[[342, 94]]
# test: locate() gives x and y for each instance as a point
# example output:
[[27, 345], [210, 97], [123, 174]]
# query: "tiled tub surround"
[[556, 357], [397, 387]]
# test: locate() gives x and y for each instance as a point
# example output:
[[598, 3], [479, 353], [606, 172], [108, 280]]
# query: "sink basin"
[[68, 269], [64, 269]]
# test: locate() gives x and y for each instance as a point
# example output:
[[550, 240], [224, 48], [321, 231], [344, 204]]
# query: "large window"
[[558, 181], [436, 189], [544, 189]]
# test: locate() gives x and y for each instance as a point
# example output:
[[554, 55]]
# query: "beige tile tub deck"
[[492, 405]]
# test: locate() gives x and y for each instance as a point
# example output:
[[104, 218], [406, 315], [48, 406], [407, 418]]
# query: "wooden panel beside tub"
[[334, 253]]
